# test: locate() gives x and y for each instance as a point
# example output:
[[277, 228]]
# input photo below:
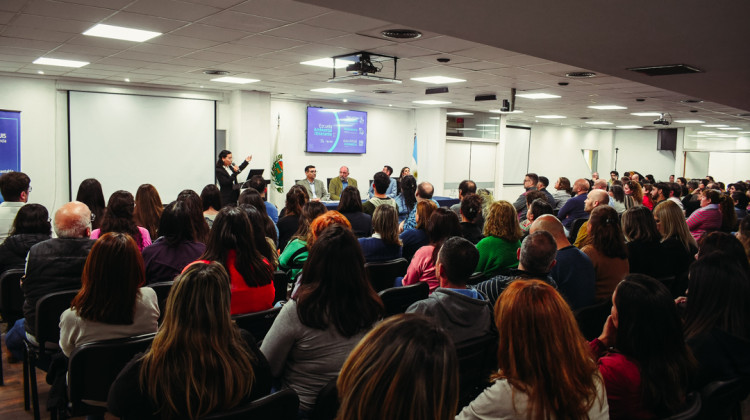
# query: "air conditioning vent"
[[666, 70], [401, 33]]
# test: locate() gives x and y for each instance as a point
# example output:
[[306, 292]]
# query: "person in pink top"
[[119, 218], [442, 225], [708, 217]]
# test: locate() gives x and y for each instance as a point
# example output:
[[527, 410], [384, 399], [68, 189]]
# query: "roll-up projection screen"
[[128, 140]]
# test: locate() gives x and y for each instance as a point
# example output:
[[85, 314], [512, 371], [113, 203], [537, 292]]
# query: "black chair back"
[[722, 399], [11, 296], [397, 299], [280, 284], [327, 402], [162, 293], [574, 228], [48, 311], [383, 274], [477, 358], [282, 405], [591, 319], [476, 278], [93, 367], [257, 323], [691, 408]]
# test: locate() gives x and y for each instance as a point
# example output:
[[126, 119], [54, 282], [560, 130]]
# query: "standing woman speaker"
[[226, 174]]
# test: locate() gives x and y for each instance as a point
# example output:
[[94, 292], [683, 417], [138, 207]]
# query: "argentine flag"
[[414, 158]]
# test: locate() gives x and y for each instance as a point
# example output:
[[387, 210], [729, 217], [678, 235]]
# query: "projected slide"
[[336, 131]]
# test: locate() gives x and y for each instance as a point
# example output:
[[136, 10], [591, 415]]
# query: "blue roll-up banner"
[[10, 142]]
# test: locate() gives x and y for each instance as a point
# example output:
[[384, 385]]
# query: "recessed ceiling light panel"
[[536, 96], [598, 122], [500, 111], [237, 80], [437, 80], [580, 74], [646, 114], [328, 63], [607, 107], [61, 63], [458, 113], [551, 117], [121, 32], [331, 90], [431, 102], [629, 127], [715, 125], [689, 121]]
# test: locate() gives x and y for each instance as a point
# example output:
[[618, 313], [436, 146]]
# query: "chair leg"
[[2, 378], [34, 389], [26, 379]]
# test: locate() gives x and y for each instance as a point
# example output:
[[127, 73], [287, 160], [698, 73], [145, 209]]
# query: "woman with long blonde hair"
[[199, 362], [406, 368], [676, 239], [545, 368], [497, 251]]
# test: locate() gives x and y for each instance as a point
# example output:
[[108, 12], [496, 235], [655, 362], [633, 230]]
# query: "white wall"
[[638, 153], [729, 167]]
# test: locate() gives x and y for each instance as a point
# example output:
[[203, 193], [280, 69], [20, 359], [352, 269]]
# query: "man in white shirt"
[[15, 188]]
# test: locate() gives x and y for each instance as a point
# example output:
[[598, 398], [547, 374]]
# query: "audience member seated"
[[725, 242], [530, 197], [406, 200], [594, 199], [542, 186], [619, 201], [536, 257], [194, 207], [265, 245], [744, 236], [648, 373], [497, 251], [607, 250], [52, 266], [646, 254], [462, 312], [315, 188], [30, 227], [530, 181], [148, 208], [405, 171], [741, 201], [384, 244], [289, 218], [15, 188], [648, 196], [728, 215], [90, 193], [251, 275], [465, 188], [405, 368], [294, 255], [471, 214], [211, 200], [199, 363], [350, 206], [676, 240], [573, 271], [634, 190], [708, 217], [544, 367], [341, 182], [538, 207], [250, 197], [563, 192], [334, 307], [424, 193], [380, 185], [112, 302], [413, 239], [119, 218], [392, 190], [573, 208], [442, 225], [176, 247], [717, 317], [259, 184]]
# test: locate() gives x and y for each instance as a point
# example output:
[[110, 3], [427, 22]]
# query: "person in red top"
[[231, 244], [641, 353]]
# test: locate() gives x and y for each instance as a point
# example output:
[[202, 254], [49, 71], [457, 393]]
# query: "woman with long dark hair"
[[413, 239], [90, 193], [406, 199], [231, 244], [648, 373], [384, 244], [621, 202], [112, 302], [119, 218], [293, 257], [148, 208], [194, 207], [607, 250], [646, 255], [545, 369], [290, 215], [471, 213], [31, 226], [334, 307], [442, 225], [406, 368], [405, 171], [176, 246], [199, 362], [350, 206], [265, 245], [226, 175], [211, 200], [563, 192], [251, 197]]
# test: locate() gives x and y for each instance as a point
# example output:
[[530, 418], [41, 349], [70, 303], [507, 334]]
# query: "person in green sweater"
[[497, 251], [295, 253]]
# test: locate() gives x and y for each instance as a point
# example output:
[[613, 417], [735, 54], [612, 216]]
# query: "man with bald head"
[[594, 199], [573, 208], [574, 272], [337, 185], [52, 266]]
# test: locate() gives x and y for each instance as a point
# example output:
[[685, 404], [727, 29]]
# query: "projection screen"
[[128, 140]]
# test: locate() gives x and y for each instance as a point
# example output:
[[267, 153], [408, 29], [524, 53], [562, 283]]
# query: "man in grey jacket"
[[463, 312]]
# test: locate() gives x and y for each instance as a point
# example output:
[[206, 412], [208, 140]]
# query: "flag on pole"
[[277, 166], [414, 158]]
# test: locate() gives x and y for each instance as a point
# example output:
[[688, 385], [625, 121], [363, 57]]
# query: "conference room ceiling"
[[493, 46]]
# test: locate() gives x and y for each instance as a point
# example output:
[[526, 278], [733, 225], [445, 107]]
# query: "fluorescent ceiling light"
[[536, 96], [237, 80], [598, 123], [58, 62], [327, 63], [466, 129], [551, 117], [628, 127], [457, 113], [437, 80], [498, 111], [706, 132], [744, 132], [121, 32], [487, 125], [494, 118], [646, 114], [729, 128], [605, 107], [431, 102], [715, 125], [689, 121], [331, 90]]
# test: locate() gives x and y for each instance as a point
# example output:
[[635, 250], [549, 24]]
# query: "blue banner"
[[10, 142]]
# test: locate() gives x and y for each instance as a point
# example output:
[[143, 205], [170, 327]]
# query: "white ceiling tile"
[[222, 4], [286, 10], [485, 53], [51, 24], [99, 42], [272, 42], [12, 5], [304, 32], [445, 44], [107, 4], [65, 10], [357, 42], [403, 51], [174, 68], [521, 60], [478, 65], [191, 62], [86, 49], [182, 41], [5, 17], [259, 62], [234, 48], [10, 58], [214, 56], [144, 22], [212, 33], [10, 67], [21, 52], [172, 9], [36, 34], [167, 50], [345, 22], [141, 56], [242, 21]]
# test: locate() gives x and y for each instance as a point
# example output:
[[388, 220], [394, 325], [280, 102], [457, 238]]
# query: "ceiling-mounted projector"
[[665, 119], [364, 66]]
